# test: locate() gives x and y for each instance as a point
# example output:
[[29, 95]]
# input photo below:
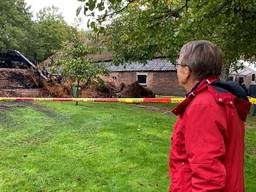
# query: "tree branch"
[[118, 11], [163, 16]]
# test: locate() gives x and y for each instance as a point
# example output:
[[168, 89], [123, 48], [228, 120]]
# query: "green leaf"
[[92, 4], [101, 6]]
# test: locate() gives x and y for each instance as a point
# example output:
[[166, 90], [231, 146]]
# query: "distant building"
[[158, 75], [246, 74]]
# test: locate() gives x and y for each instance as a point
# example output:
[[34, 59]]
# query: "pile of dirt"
[[53, 88], [13, 82], [134, 90]]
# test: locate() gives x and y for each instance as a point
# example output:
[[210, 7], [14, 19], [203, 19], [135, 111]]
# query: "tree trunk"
[[225, 72], [77, 90]]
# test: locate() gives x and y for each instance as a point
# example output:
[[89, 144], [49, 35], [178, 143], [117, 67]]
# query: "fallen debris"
[[135, 90]]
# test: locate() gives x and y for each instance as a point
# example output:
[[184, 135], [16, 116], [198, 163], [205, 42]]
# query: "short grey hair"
[[203, 58]]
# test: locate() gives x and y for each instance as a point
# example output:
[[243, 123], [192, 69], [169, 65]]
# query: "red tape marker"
[[157, 100]]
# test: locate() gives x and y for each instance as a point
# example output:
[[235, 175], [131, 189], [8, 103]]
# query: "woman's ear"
[[187, 72]]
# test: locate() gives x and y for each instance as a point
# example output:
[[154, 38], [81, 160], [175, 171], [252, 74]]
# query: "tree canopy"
[[37, 39], [15, 22], [50, 31], [143, 29]]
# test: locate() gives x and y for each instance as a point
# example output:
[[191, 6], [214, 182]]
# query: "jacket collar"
[[198, 88]]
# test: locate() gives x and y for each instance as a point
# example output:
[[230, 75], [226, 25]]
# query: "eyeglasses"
[[182, 65]]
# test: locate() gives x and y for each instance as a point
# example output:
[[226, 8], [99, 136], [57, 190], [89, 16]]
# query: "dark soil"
[[11, 105]]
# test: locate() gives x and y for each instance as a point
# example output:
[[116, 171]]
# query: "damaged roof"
[[14, 59], [158, 64]]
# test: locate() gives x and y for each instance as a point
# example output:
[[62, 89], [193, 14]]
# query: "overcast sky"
[[66, 7]]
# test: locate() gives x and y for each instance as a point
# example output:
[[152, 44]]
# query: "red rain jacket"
[[208, 141]]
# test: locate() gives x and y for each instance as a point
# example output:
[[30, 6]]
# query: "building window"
[[253, 77], [231, 78], [241, 80], [114, 77], [142, 78]]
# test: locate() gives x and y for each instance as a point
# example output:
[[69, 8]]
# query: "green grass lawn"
[[91, 147]]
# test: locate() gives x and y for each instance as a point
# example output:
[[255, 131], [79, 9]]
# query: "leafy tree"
[[37, 39], [15, 24], [75, 65], [143, 29], [50, 31], [230, 24]]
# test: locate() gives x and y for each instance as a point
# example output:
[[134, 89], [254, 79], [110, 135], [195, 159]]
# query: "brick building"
[[158, 75], [246, 74]]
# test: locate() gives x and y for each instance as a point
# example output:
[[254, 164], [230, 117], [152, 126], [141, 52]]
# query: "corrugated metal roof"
[[244, 72], [150, 65]]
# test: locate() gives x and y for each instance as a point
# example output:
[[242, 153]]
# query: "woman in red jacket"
[[207, 148]]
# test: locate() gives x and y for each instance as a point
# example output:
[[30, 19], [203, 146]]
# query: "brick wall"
[[165, 83], [248, 81], [161, 83]]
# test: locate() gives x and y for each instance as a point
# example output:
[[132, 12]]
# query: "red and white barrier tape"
[[113, 100]]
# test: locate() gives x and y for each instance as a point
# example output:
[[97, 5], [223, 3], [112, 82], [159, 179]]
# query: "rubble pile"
[[134, 90], [18, 78], [52, 88], [21, 78]]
